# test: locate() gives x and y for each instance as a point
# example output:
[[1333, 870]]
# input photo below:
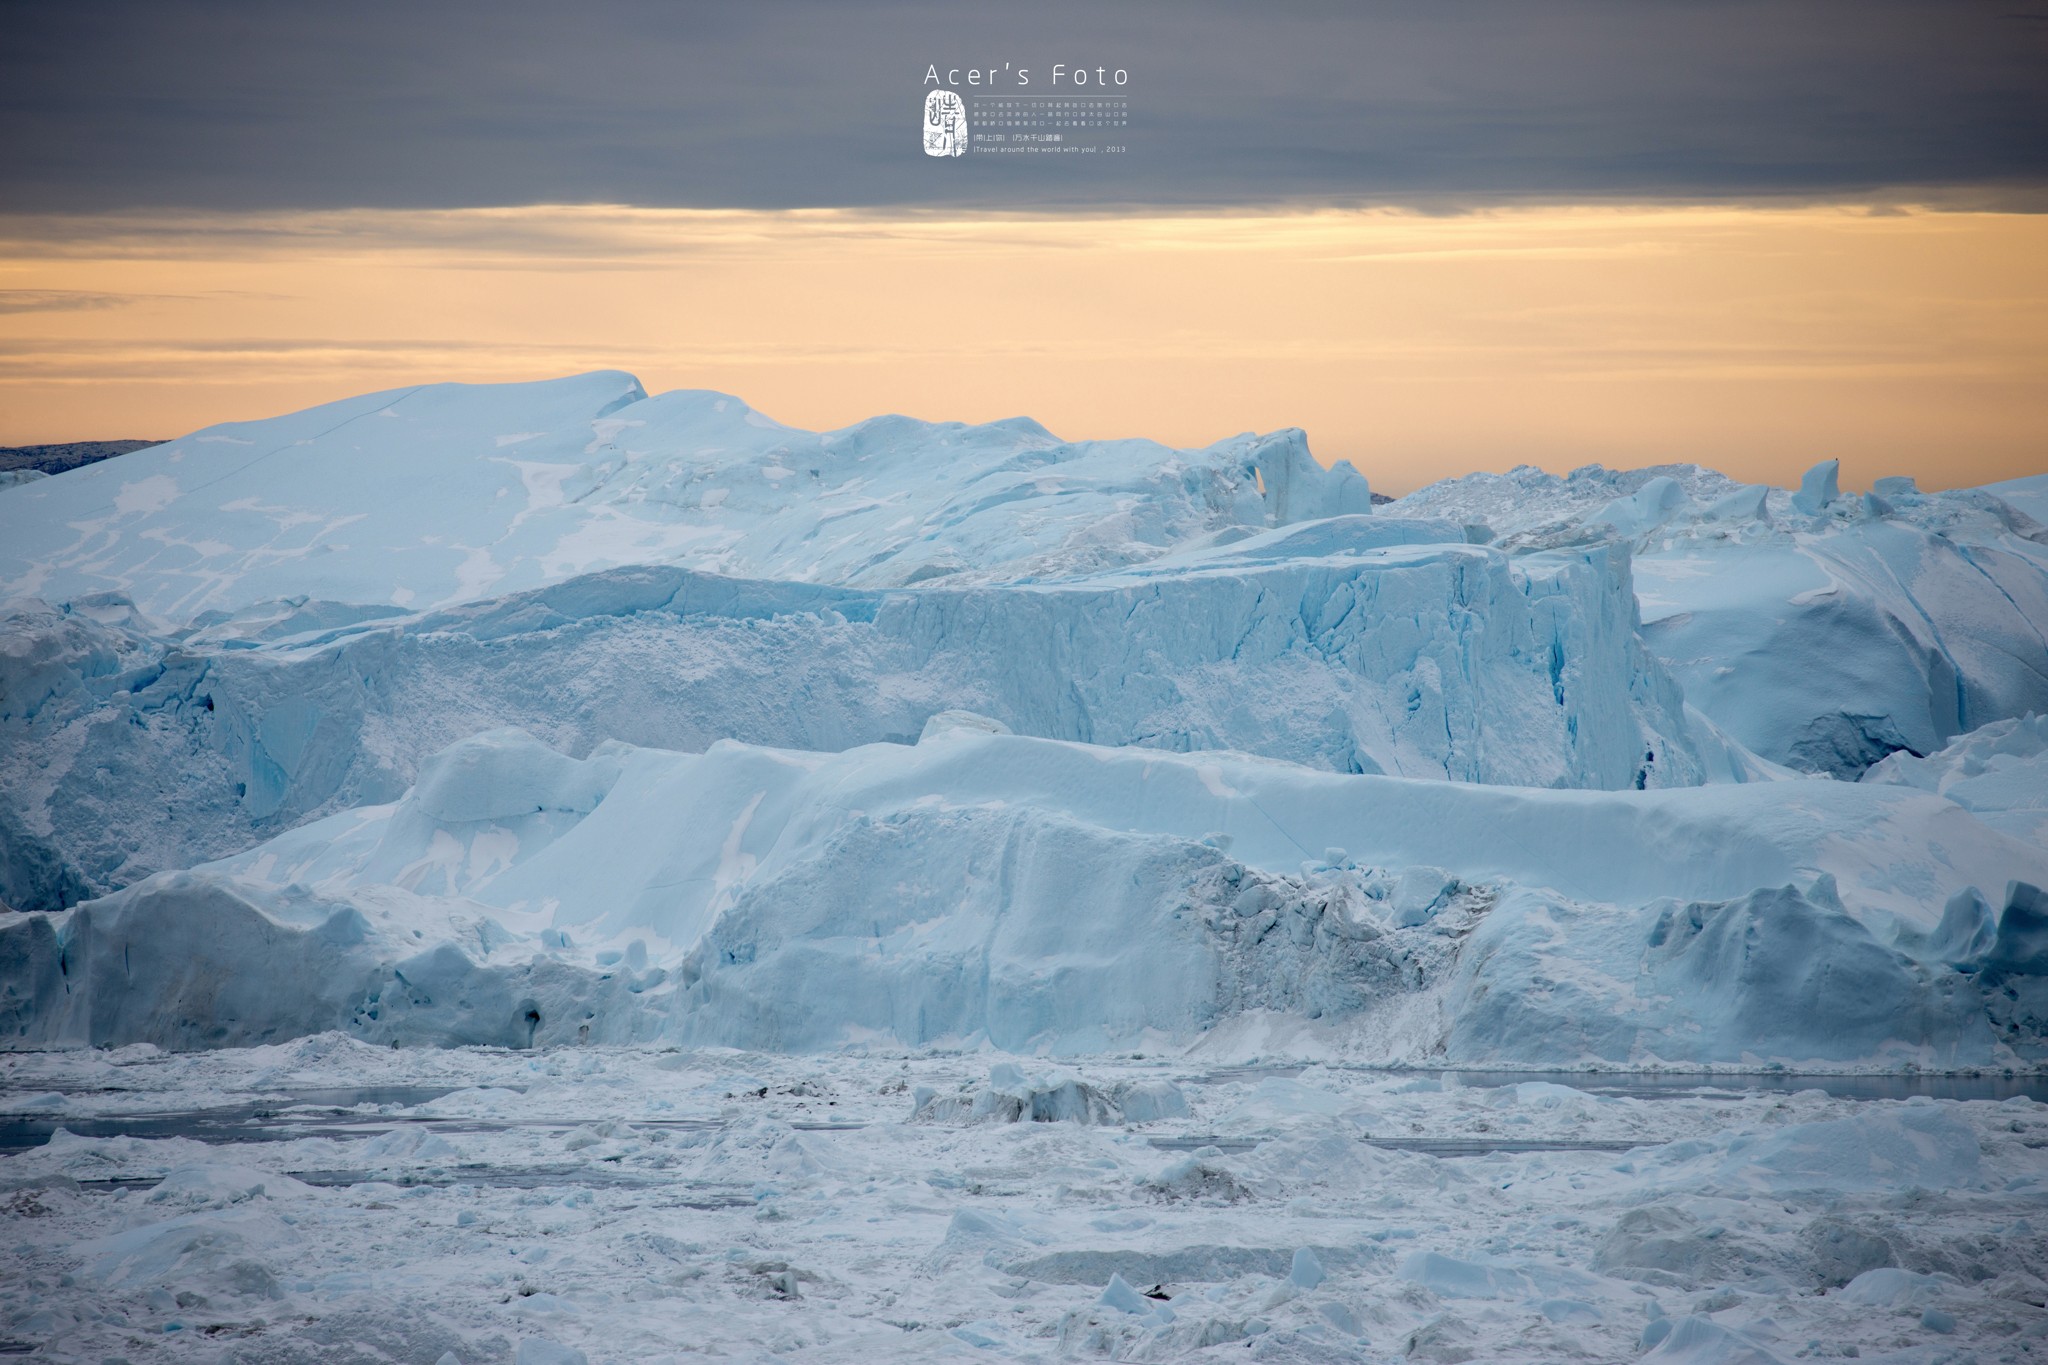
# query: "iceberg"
[[446, 493], [1820, 632], [553, 714], [1355, 644], [1998, 772], [1038, 894]]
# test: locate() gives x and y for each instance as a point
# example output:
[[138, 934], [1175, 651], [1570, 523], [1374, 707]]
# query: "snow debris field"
[[547, 874]]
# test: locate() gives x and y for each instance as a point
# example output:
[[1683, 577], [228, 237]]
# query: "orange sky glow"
[[1755, 340]]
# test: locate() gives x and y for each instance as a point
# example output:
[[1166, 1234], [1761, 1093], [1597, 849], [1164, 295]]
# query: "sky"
[[1438, 236]]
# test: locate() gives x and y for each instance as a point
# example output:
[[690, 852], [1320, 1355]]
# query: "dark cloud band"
[[220, 104]]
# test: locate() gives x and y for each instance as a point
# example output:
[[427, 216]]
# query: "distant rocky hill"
[[68, 455]]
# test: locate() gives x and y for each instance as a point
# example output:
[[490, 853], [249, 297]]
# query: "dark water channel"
[[342, 1112], [1673, 1085]]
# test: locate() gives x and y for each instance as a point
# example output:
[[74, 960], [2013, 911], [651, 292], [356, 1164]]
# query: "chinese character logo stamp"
[[945, 124]]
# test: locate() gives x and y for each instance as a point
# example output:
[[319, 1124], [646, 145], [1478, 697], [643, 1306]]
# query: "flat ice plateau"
[[850, 894]]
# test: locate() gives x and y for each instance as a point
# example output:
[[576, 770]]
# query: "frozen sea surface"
[[638, 1204]]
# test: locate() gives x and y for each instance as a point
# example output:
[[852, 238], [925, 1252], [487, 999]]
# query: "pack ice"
[[556, 712]]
